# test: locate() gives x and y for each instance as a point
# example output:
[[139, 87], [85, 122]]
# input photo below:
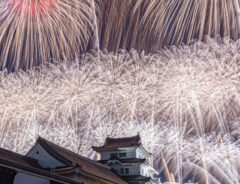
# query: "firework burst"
[[152, 25], [34, 32], [193, 89], [175, 22]]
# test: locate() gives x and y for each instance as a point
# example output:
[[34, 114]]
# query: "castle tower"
[[128, 158]]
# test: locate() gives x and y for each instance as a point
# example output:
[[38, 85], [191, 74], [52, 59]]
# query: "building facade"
[[123, 161], [48, 163], [128, 158]]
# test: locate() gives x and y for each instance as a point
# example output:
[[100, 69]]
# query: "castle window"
[[122, 154], [127, 171], [113, 155], [122, 171]]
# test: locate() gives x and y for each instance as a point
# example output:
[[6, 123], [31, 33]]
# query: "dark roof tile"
[[120, 142], [137, 178], [23, 163], [128, 160], [86, 165]]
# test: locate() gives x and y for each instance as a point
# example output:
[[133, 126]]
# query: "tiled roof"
[[18, 158], [88, 166], [120, 142], [137, 178], [129, 160], [28, 165]]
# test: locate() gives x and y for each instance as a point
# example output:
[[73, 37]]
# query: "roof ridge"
[[18, 155], [136, 136], [30, 168], [11, 152], [126, 159], [73, 153], [90, 167], [118, 142], [99, 170], [46, 144]]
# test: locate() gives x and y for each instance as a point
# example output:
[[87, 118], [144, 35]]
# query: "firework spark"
[[152, 25], [193, 89], [34, 32], [175, 22]]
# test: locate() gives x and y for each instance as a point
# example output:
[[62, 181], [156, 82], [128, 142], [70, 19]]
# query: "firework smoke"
[[193, 89], [33, 32]]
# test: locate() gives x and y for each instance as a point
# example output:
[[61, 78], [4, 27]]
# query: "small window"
[[127, 171], [113, 155], [122, 154], [122, 171]]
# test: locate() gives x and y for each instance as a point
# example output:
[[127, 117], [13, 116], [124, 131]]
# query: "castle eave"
[[137, 178], [132, 160]]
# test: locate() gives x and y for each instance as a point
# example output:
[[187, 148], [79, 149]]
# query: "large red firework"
[[34, 32], [32, 8]]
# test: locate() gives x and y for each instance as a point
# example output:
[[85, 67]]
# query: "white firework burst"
[[193, 89]]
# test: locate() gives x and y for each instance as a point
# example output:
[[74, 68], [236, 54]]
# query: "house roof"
[[18, 158], [28, 165], [71, 159], [111, 143]]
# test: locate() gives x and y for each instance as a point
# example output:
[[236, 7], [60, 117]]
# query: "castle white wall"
[[145, 170], [133, 170], [130, 153], [140, 154], [22, 178], [45, 160]]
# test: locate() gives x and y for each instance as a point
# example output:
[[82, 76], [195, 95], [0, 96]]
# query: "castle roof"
[[137, 179], [111, 143], [127, 161], [73, 160]]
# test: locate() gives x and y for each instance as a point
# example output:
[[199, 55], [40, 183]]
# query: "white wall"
[[44, 159], [145, 170], [130, 153], [140, 153], [22, 178], [133, 170]]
